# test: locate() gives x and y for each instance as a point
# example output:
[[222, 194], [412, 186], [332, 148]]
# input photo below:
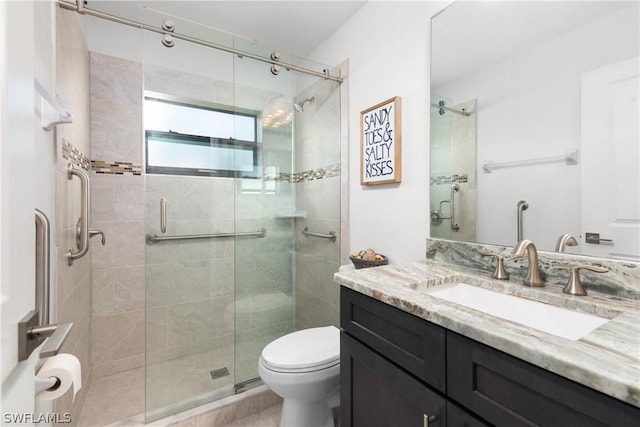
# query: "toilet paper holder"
[[42, 384], [31, 335]]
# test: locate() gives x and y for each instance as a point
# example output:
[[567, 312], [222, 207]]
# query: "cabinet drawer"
[[411, 342], [507, 391], [376, 393]]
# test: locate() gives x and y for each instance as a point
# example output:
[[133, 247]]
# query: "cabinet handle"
[[427, 419]]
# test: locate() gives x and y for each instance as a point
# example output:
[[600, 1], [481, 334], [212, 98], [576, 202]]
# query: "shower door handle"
[[454, 189], [82, 229], [163, 215]]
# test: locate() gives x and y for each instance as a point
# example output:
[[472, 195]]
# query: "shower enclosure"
[[233, 171], [453, 169]]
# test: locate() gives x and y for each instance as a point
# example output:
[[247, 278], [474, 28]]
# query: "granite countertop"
[[606, 359]]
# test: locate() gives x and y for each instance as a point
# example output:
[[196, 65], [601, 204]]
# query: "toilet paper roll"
[[65, 367]]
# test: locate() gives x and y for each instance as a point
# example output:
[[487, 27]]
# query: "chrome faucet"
[[533, 275], [564, 241]]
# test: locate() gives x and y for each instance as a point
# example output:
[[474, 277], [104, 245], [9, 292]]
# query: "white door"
[[609, 160], [17, 193]]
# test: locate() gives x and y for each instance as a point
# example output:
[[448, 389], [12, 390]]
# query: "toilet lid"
[[304, 349]]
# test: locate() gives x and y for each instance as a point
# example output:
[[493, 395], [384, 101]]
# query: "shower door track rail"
[[78, 6], [154, 238]]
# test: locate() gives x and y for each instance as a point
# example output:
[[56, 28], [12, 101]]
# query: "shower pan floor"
[[171, 386]]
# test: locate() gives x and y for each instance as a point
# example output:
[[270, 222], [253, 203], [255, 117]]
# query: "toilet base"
[[298, 414]]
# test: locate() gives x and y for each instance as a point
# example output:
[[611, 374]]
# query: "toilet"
[[303, 367]]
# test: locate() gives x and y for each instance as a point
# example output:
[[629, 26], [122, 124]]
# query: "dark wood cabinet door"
[[377, 393], [411, 342], [507, 391]]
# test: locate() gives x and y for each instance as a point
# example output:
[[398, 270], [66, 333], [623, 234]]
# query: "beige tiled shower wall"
[[118, 316], [73, 294]]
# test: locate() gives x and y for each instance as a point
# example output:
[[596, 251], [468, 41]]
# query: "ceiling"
[[467, 36], [293, 26]]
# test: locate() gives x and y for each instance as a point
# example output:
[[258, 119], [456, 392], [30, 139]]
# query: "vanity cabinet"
[[400, 370], [383, 394]]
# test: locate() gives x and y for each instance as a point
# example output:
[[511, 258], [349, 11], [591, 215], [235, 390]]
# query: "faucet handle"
[[574, 286], [499, 273]]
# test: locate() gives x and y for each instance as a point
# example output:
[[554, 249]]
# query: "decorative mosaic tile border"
[[310, 175], [75, 156], [116, 168], [124, 168], [439, 180]]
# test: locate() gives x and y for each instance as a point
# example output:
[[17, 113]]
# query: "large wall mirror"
[[535, 125]]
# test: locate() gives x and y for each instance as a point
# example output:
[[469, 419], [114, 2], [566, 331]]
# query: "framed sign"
[[381, 143]]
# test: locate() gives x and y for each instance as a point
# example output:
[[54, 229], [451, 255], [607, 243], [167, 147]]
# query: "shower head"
[[300, 105]]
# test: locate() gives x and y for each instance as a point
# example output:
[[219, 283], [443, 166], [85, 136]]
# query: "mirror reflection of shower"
[[453, 168], [442, 109], [299, 106]]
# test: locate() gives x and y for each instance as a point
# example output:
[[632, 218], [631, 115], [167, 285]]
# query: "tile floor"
[[269, 417]]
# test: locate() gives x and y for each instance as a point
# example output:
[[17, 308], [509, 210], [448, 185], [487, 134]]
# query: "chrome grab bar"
[[522, 206], [34, 327], [43, 265], [163, 215], [454, 189], [331, 236], [154, 238], [82, 230]]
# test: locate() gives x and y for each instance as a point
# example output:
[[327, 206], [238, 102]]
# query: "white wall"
[[17, 199], [387, 44]]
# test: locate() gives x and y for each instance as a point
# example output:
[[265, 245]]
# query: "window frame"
[[202, 140]]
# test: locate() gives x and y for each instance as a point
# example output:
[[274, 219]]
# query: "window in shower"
[[187, 138]]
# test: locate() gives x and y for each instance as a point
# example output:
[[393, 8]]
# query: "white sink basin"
[[557, 321]]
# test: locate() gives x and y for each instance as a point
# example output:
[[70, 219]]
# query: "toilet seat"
[[306, 350]]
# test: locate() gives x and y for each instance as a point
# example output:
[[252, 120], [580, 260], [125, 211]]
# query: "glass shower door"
[[264, 200], [189, 282]]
